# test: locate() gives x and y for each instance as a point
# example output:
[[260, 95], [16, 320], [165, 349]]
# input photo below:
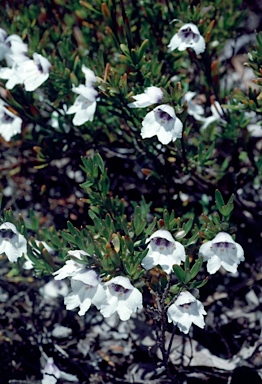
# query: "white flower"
[[12, 48], [163, 250], [122, 297], [152, 95], [163, 123], [17, 50], [86, 290], [71, 267], [188, 36], [10, 124], [193, 109], [51, 373], [217, 114], [84, 106], [12, 243], [222, 251], [31, 73], [185, 311], [34, 72]]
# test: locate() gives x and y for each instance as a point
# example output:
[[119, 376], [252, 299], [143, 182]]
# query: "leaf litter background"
[[109, 351]]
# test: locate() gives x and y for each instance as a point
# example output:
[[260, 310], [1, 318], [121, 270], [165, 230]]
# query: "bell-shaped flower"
[[163, 250], [185, 311], [188, 36], [34, 72], [152, 95], [31, 73], [122, 297], [87, 289], [51, 373], [84, 106], [12, 243], [222, 251], [71, 268], [17, 50], [10, 124], [163, 123], [12, 48], [193, 109]]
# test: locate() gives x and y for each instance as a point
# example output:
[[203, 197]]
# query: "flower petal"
[[213, 264]]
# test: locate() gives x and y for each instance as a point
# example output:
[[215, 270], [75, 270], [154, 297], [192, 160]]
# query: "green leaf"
[[126, 60], [229, 206], [188, 226], [199, 284], [187, 263], [142, 50], [196, 267], [129, 244], [67, 237], [71, 228], [151, 227], [166, 218], [116, 243], [125, 50], [192, 239], [179, 272], [86, 184], [100, 162], [187, 276], [219, 200], [139, 229], [137, 218], [216, 218]]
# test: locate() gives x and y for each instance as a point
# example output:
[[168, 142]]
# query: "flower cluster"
[[163, 250], [88, 286], [162, 120], [21, 69], [117, 295], [31, 73]]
